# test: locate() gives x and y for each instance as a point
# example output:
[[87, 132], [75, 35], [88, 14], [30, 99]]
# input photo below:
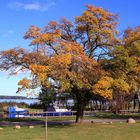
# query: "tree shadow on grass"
[[60, 124], [34, 121]]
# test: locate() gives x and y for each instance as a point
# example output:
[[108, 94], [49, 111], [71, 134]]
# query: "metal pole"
[[46, 127]]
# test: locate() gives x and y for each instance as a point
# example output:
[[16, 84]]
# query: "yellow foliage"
[[106, 86], [103, 87], [40, 71], [121, 86], [131, 35], [33, 32], [61, 60], [71, 47], [39, 68], [24, 84]]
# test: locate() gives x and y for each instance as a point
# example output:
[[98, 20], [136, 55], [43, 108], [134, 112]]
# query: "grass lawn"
[[86, 131], [8, 133]]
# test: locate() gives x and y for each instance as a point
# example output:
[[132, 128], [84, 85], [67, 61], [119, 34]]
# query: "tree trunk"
[[118, 103], [139, 106], [128, 105], [134, 104], [80, 107], [138, 103], [138, 94], [79, 114]]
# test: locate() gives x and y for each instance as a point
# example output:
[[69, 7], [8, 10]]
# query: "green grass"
[[86, 131], [96, 132], [8, 133]]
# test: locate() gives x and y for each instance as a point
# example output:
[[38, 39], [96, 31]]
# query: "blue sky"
[[18, 15]]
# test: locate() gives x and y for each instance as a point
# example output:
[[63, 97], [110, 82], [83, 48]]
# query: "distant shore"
[[14, 97], [18, 99]]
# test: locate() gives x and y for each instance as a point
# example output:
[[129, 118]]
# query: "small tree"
[[47, 96]]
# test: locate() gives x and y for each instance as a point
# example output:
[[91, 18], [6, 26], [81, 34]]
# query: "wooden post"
[[46, 138]]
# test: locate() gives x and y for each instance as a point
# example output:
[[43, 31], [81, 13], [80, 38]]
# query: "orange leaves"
[[33, 32], [71, 48], [60, 65], [52, 25], [13, 52], [8, 52], [97, 16], [103, 87], [24, 84], [87, 17], [43, 36], [97, 28], [39, 68], [98, 10], [62, 60], [46, 38], [131, 35], [137, 70], [106, 86], [40, 71], [41, 39], [66, 23]]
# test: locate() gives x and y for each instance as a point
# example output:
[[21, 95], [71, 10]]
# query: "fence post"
[[46, 127]]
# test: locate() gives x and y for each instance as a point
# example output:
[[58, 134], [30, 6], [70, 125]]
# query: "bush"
[[4, 105], [36, 106]]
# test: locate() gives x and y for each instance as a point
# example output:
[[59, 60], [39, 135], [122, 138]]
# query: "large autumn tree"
[[66, 55]]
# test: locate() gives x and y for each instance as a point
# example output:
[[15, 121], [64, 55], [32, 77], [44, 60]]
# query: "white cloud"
[[36, 6], [33, 6], [8, 33]]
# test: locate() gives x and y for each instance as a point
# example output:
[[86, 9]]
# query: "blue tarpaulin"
[[14, 112]]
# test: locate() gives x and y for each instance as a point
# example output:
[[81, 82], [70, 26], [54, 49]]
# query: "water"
[[27, 101]]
